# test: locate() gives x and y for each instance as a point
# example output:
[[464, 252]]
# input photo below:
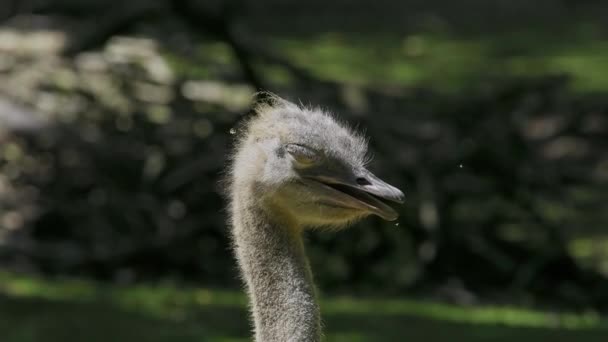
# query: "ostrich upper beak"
[[365, 192]]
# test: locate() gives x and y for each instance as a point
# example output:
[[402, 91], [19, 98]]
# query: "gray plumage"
[[294, 168]]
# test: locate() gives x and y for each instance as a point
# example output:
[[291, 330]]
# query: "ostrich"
[[294, 168]]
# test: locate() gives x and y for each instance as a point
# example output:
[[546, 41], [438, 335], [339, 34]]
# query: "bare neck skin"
[[271, 256]]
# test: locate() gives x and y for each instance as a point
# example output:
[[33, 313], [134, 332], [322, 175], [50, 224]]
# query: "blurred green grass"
[[37, 309], [437, 60], [450, 63]]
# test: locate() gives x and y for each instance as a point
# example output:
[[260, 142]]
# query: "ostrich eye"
[[303, 155]]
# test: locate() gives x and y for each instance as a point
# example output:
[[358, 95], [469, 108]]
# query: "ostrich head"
[[308, 168]]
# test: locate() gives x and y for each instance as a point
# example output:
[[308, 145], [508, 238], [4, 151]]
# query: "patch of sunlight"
[[509, 316], [158, 114], [444, 62], [158, 300], [582, 248], [350, 337], [163, 301], [27, 286], [588, 69], [419, 59], [447, 62], [591, 251], [170, 301], [236, 97], [357, 61]]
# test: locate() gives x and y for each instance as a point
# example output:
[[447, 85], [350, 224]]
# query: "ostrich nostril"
[[363, 181]]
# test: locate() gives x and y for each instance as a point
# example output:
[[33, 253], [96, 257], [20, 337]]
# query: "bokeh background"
[[116, 119]]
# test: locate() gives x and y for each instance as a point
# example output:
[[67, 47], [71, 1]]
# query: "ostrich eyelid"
[[303, 153]]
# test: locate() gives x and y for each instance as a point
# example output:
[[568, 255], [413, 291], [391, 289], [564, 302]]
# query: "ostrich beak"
[[376, 186], [364, 192]]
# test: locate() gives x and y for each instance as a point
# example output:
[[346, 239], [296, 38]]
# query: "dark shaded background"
[[116, 119]]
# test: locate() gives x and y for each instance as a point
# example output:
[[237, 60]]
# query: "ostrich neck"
[[271, 256]]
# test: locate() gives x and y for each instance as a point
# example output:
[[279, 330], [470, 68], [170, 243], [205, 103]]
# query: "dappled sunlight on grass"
[[450, 63], [440, 61], [21, 286], [158, 300], [36, 309], [509, 316], [170, 301]]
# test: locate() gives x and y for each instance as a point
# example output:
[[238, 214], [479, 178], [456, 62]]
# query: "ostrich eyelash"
[[368, 158]]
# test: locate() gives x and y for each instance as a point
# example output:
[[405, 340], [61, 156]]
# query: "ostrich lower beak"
[[366, 193]]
